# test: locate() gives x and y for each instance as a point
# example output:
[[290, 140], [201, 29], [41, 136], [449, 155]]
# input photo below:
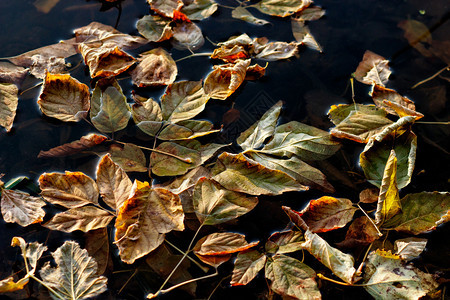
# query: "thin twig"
[[370, 219], [434, 123], [30, 88], [431, 77], [203, 268], [194, 55]]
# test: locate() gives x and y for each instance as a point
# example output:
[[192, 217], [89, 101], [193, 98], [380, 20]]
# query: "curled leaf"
[[243, 14], [186, 130], [284, 242], [84, 143], [21, 208], [8, 104], [381, 94], [165, 7], [410, 248], [361, 232], [373, 69], [199, 9]]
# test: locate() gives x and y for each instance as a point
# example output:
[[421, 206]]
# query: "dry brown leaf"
[[129, 157], [10, 73], [8, 104], [156, 67], [373, 69], [187, 35], [393, 102], [274, 50], [165, 7], [85, 142], [369, 195], [21, 208], [360, 233], [97, 245]]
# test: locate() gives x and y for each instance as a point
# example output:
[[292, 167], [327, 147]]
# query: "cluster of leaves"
[[275, 159]]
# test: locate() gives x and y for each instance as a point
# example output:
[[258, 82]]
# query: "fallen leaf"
[[186, 130], [9, 99], [9, 285], [246, 266], [221, 243], [303, 35], [373, 69], [129, 157], [214, 204], [292, 278], [165, 7], [418, 35], [284, 242], [21, 208], [75, 275], [84, 143], [282, 8], [156, 67], [311, 13], [97, 246], [64, 98], [381, 94], [369, 195], [147, 115], [154, 28], [199, 9], [361, 232], [243, 14], [274, 50], [410, 248], [327, 213], [187, 36], [10, 73]]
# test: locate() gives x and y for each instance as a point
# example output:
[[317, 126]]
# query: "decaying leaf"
[[8, 104], [284, 242], [75, 275], [129, 157], [382, 96], [156, 67], [360, 233], [143, 220], [154, 28], [373, 69], [10, 73], [410, 248], [387, 277], [165, 7], [187, 35], [274, 50], [186, 130], [97, 245], [311, 13], [9, 285], [292, 278], [84, 143], [369, 195], [21, 208], [282, 8], [418, 35], [214, 204], [327, 213], [64, 98], [199, 9], [243, 14], [303, 35], [246, 267]]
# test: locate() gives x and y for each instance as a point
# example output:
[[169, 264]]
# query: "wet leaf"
[[21, 208], [145, 110], [243, 14], [186, 130], [373, 69], [64, 98], [9, 100], [110, 111], [282, 8], [387, 277], [81, 218], [373, 159], [165, 7], [388, 200], [235, 48], [10, 73], [421, 212], [328, 213], [75, 275], [187, 36], [71, 190], [187, 181], [9, 285], [183, 100], [274, 50], [238, 173], [129, 157], [381, 94], [143, 220], [301, 140], [156, 67], [224, 80], [214, 204], [97, 246], [154, 28], [369, 195], [310, 13], [113, 183], [410, 248], [303, 35], [255, 135], [45, 6], [292, 278], [84, 143], [340, 112], [246, 266], [199, 9], [222, 243], [284, 242], [361, 232], [418, 35]]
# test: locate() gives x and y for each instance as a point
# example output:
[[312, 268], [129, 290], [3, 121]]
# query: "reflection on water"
[[307, 85]]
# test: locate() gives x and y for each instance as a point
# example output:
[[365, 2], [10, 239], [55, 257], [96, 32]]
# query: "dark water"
[[307, 85]]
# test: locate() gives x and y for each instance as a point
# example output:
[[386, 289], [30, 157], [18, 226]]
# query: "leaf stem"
[[186, 160], [434, 123], [446, 68], [203, 268], [194, 55], [370, 219], [49, 288]]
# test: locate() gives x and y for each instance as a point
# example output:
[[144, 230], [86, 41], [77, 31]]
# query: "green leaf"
[[8, 104], [145, 110], [421, 212], [282, 8], [75, 275], [238, 173], [186, 130], [284, 242], [254, 136], [374, 157], [304, 141], [129, 157], [214, 204], [199, 9], [389, 200], [154, 28], [387, 277], [292, 278], [246, 266]]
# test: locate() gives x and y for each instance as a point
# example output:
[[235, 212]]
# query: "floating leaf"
[[282, 8], [187, 35], [225, 79], [274, 50], [9, 285], [389, 200], [360, 233], [146, 110], [303, 35], [71, 190], [292, 278], [284, 242], [129, 157], [21, 208], [143, 220], [310, 13], [84, 143], [222, 243], [75, 275], [421, 212], [199, 9], [113, 182], [340, 112], [64, 98], [156, 67], [381, 94], [214, 204], [165, 7], [154, 28], [373, 159], [10, 73], [97, 246], [243, 14], [373, 69], [386, 277], [410, 248], [234, 49], [255, 135], [327, 213], [246, 267], [8, 104], [369, 195], [238, 173], [418, 36], [186, 130], [81, 218]]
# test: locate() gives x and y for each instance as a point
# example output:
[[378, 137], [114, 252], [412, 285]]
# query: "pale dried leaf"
[[187, 35], [156, 67], [373, 69], [129, 157], [246, 266], [410, 248], [9, 100], [243, 14], [21, 208]]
